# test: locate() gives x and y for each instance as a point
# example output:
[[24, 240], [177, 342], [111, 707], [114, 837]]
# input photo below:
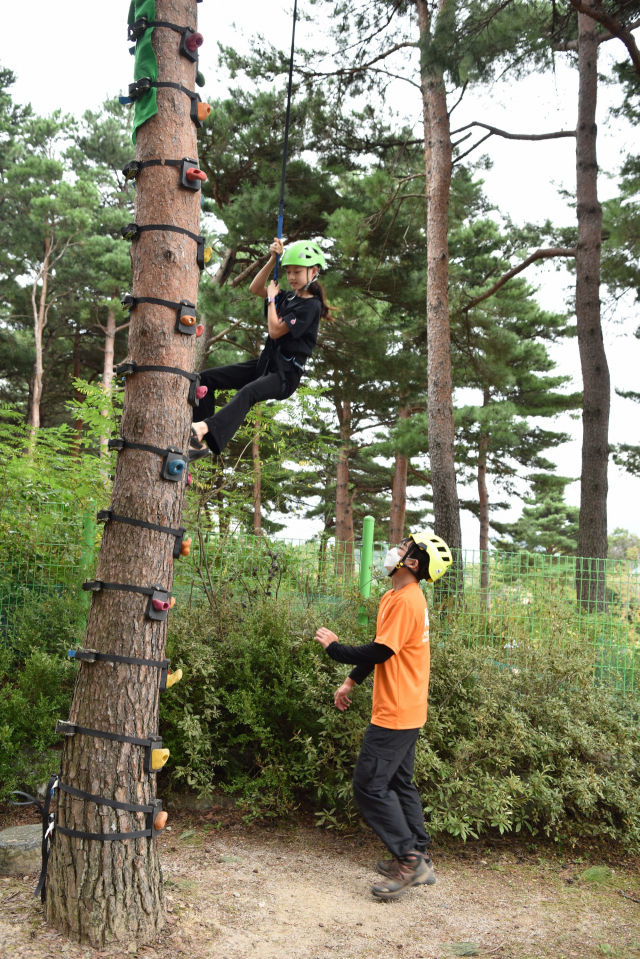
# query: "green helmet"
[[303, 253], [440, 558]]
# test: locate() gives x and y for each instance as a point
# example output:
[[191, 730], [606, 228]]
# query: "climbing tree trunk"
[[438, 162], [592, 532], [257, 484], [39, 310], [398, 492], [104, 893], [344, 512]]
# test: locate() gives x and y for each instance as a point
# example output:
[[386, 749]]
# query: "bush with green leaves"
[[36, 684], [518, 738]]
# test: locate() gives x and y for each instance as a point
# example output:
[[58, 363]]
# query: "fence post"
[[366, 559]]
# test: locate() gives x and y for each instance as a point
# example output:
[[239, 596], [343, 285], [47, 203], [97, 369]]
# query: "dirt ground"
[[237, 892]]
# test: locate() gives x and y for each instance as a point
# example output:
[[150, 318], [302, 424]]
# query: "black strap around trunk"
[[156, 301], [120, 444], [100, 734], [108, 516], [133, 367], [101, 801], [96, 585], [147, 84], [91, 656], [131, 169], [170, 229], [103, 836]]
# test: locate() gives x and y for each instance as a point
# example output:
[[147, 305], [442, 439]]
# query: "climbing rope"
[[286, 137]]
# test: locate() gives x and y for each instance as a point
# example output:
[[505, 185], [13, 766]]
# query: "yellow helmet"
[[440, 558]]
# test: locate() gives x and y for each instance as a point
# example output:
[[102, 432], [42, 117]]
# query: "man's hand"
[[325, 637], [341, 694]]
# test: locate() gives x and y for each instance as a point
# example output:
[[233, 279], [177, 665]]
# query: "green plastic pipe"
[[366, 559]]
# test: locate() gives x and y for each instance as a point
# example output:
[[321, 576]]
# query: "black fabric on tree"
[[131, 169], [108, 516], [173, 457], [140, 87], [186, 314], [48, 825], [151, 743], [92, 656], [157, 595], [125, 369], [133, 231]]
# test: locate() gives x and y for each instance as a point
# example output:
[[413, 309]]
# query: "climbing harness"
[[108, 516], [159, 599], [286, 139], [152, 744], [174, 462], [196, 392], [185, 310], [199, 110], [191, 177], [133, 231]]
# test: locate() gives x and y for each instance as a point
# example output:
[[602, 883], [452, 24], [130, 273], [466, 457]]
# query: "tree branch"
[[538, 255], [494, 131], [597, 13], [361, 68], [221, 336]]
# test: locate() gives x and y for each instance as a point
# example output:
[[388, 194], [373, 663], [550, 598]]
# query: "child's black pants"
[[251, 388], [384, 789]]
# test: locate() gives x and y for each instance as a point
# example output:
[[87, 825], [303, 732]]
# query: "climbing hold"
[[186, 320], [160, 821], [175, 467], [200, 81], [174, 677], [201, 392], [160, 604], [204, 109], [159, 758], [185, 549], [193, 174], [189, 479], [208, 253], [199, 329], [194, 41], [172, 603]]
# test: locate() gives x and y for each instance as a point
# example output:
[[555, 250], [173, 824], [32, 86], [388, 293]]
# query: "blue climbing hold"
[[71, 654], [176, 467]]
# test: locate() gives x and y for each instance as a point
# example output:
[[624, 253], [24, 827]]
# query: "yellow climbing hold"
[[159, 758], [208, 253], [174, 677]]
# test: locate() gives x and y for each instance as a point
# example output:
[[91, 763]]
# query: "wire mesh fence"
[[499, 600]]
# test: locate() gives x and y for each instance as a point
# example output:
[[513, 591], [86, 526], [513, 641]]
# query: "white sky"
[[78, 56]]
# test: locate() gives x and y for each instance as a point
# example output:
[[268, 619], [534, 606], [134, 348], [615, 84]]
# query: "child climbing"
[[400, 655], [293, 320]]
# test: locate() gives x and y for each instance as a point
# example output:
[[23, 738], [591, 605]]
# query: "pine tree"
[[547, 524]]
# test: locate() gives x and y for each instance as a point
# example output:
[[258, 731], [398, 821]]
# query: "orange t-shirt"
[[401, 684]]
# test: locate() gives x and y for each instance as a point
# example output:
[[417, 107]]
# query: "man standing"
[[383, 777]]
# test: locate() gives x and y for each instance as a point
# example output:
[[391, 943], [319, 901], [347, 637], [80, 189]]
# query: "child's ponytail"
[[318, 290]]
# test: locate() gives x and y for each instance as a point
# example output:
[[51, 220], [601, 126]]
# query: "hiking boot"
[[409, 870], [387, 867]]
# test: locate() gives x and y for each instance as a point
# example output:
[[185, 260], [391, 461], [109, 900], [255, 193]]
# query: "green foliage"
[[547, 523], [36, 684], [515, 741], [623, 544]]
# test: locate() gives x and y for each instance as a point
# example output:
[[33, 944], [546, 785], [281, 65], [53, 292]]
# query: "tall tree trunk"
[[39, 308], [112, 892], [344, 512], [399, 491], [592, 532], [257, 484], [438, 161], [107, 370], [483, 499]]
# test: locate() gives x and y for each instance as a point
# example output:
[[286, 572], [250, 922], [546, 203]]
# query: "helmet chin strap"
[[309, 281]]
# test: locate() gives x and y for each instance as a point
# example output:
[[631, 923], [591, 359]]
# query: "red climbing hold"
[[189, 479], [194, 174], [199, 329], [201, 392], [194, 41], [160, 605]]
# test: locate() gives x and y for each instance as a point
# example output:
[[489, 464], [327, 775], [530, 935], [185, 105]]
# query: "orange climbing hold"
[[204, 109], [185, 549], [160, 821]]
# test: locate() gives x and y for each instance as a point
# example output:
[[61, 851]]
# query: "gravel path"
[[237, 893]]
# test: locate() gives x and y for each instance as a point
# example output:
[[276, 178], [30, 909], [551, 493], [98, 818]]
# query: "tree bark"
[[344, 512], [483, 499], [257, 484], [399, 492], [438, 161], [592, 532], [39, 308], [112, 892]]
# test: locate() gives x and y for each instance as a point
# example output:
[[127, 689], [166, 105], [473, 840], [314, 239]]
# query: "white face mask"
[[391, 560]]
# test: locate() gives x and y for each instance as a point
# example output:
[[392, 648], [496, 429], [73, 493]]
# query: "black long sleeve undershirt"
[[364, 658]]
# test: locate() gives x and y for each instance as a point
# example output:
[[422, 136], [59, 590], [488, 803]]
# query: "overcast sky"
[[78, 56]]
